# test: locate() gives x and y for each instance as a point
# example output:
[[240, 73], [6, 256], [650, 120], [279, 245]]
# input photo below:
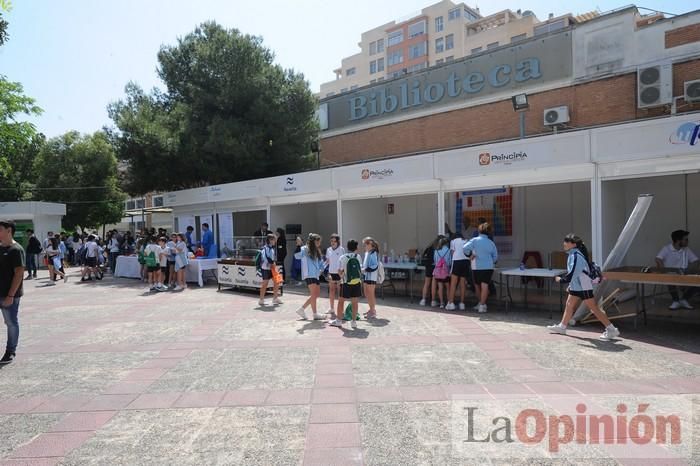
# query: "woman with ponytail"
[[311, 268], [580, 288]]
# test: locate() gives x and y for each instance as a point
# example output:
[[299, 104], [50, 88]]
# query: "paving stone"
[[18, 429]]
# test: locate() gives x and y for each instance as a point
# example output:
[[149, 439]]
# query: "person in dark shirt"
[[282, 250], [263, 231], [33, 250], [12, 262]]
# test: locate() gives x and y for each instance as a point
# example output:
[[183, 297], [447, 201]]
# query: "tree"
[[81, 171], [228, 113]]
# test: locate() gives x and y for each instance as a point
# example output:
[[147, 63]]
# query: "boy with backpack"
[[151, 256], [350, 271]]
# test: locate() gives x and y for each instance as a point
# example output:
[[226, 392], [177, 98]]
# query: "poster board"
[[496, 207], [225, 224]]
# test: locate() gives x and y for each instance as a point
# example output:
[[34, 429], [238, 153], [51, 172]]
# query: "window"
[[158, 201], [350, 71], [492, 45], [549, 27], [417, 67], [454, 14], [416, 29], [380, 65], [373, 48], [470, 15], [395, 57], [449, 59], [440, 61], [476, 50], [449, 42], [373, 67], [395, 37], [380, 45], [330, 94], [140, 203], [130, 205], [440, 45], [417, 50], [396, 74], [439, 24], [519, 37]]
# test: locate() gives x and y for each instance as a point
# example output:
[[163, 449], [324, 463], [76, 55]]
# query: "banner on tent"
[[495, 206], [226, 230]]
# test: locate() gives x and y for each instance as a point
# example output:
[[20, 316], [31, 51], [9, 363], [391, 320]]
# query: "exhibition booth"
[[533, 191]]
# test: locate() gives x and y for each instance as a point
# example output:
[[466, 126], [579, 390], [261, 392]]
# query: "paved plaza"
[[108, 373]]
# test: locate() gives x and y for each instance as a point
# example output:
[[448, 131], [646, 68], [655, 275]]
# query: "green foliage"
[[18, 140], [69, 164], [3, 30], [228, 114]]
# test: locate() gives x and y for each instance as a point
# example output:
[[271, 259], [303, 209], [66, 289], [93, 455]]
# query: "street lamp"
[[520, 105]]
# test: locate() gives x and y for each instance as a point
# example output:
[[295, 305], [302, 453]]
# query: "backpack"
[[150, 259], [258, 261], [441, 271], [353, 271], [595, 273]]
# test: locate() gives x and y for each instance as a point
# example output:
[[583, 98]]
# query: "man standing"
[[263, 231], [11, 273], [188, 238], [677, 255], [33, 250], [207, 239]]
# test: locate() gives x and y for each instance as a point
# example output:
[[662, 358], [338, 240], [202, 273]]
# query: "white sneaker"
[[558, 328], [684, 303], [301, 313], [450, 307], [353, 324], [261, 302], [609, 333], [675, 305], [476, 308], [461, 306], [422, 302], [483, 308], [337, 323], [442, 306], [319, 317], [277, 301], [434, 304]]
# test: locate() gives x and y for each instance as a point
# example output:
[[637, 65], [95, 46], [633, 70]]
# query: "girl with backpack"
[[578, 271], [268, 258], [311, 268], [333, 255], [429, 285], [441, 273], [370, 267]]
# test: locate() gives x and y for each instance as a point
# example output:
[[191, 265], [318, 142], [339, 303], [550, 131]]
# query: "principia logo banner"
[[289, 185], [686, 134], [377, 174], [508, 158]]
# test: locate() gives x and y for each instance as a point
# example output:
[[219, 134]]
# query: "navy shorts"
[[266, 274], [313, 281], [460, 268], [584, 295], [483, 276], [335, 277], [351, 291]]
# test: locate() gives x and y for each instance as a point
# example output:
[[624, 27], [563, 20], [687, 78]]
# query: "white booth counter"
[[129, 267]]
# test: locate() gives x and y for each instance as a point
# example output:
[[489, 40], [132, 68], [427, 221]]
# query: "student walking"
[[442, 257], [580, 288], [311, 268], [268, 257], [350, 274], [429, 285], [53, 253], [333, 255], [484, 255], [12, 262], [370, 267], [460, 272]]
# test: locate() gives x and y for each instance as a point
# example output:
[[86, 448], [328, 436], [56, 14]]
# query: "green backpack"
[[151, 260], [353, 271], [348, 313]]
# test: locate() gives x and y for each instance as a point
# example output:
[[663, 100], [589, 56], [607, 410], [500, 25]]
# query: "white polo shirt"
[[676, 258], [457, 248], [333, 258]]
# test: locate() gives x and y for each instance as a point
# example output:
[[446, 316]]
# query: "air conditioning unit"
[[556, 116], [654, 85], [692, 91]]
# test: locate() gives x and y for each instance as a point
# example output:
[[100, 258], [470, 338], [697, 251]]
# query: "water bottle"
[[522, 266]]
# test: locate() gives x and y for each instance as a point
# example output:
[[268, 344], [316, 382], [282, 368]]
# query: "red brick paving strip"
[[52, 444], [78, 422]]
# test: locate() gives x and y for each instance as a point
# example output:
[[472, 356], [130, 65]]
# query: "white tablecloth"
[[193, 272], [538, 273], [128, 266]]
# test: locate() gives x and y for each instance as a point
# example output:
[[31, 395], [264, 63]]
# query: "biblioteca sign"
[[506, 70]]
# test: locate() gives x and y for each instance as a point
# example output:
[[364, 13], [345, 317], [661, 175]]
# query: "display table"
[[410, 267], [547, 274], [128, 267], [196, 267], [241, 273]]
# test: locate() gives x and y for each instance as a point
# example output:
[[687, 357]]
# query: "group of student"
[[453, 264], [60, 251], [349, 274], [165, 261]]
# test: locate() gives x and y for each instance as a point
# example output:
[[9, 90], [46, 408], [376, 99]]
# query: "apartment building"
[[440, 33]]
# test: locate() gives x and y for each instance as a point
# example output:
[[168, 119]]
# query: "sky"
[[75, 56]]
